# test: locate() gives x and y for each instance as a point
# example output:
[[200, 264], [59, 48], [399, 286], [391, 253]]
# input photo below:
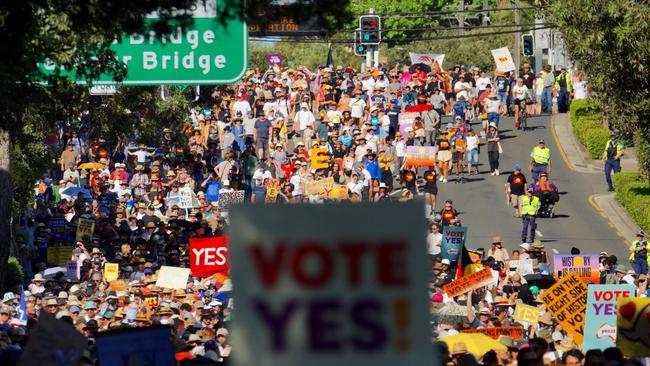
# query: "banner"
[[567, 301], [420, 156], [522, 266], [426, 58], [21, 311], [58, 226], [526, 313], [406, 119], [173, 277], [72, 270], [85, 228], [209, 256], [136, 346], [59, 256], [453, 240], [311, 295], [584, 265], [321, 186], [516, 333], [111, 272], [470, 282], [633, 323], [503, 60], [600, 324], [227, 199]]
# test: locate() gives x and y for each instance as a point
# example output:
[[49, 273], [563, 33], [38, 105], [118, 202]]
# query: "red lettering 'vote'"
[[389, 258]]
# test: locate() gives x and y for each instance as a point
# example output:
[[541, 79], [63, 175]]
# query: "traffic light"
[[370, 27], [359, 49], [528, 44]]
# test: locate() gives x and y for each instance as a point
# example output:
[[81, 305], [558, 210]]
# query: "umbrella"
[[539, 280], [477, 343], [74, 191], [419, 108], [91, 166], [449, 314], [50, 273], [423, 67]]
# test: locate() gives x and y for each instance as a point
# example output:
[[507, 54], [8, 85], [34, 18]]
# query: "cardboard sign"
[[600, 324], [633, 322], [53, 342], [453, 240], [584, 265], [209, 256], [111, 271], [339, 192], [470, 282], [72, 270], [567, 301], [136, 346], [503, 59], [227, 199], [117, 286], [406, 119], [310, 295], [59, 256], [85, 228], [58, 226], [151, 300], [185, 198], [516, 333], [526, 313], [173, 277], [318, 158], [318, 187], [420, 156], [522, 266]]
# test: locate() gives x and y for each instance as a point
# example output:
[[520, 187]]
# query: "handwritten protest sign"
[[72, 270], [59, 256], [470, 282], [119, 285], [522, 266], [567, 301], [453, 240], [405, 120], [305, 293], [633, 322], [600, 324], [85, 228], [584, 265], [321, 186], [516, 333], [58, 226], [172, 277], [503, 59], [111, 271], [185, 198], [526, 313], [227, 199], [136, 346], [420, 156]]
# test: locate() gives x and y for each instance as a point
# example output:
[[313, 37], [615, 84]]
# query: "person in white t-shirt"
[[434, 240], [482, 82], [304, 119], [580, 88], [355, 186], [357, 107], [519, 93], [241, 106], [462, 88]]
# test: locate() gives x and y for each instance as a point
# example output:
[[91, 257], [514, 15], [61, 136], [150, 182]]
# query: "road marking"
[[619, 233], [611, 225], [555, 251], [593, 204], [538, 233], [560, 149]]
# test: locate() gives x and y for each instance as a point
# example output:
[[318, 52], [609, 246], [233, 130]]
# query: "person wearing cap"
[[529, 207], [540, 160], [563, 90], [612, 156], [639, 253], [303, 123], [515, 186]]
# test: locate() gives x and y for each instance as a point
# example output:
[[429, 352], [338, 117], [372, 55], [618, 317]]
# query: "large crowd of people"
[[264, 139]]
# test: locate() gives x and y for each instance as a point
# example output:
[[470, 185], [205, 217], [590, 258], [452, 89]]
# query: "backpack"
[[460, 145]]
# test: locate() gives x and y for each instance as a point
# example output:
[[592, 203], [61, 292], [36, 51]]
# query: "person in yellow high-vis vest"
[[528, 208], [612, 156], [540, 160], [639, 251], [564, 92]]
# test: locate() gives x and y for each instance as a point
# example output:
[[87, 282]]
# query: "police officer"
[[528, 206], [540, 160], [612, 156], [564, 92], [639, 254]]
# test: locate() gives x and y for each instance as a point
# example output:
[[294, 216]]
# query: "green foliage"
[[634, 194], [15, 274], [586, 119], [307, 54], [595, 141], [609, 41]]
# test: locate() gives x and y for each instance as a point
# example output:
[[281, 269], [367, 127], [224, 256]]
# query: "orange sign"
[[567, 301], [469, 282], [420, 156], [515, 332]]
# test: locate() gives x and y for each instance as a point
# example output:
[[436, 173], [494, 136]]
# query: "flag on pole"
[[330, 61], [21, 312]]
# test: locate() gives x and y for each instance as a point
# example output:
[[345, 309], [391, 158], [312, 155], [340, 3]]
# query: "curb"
[[615, 214], [569, 147]]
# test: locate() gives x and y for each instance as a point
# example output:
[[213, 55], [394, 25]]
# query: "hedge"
[[634, 194], [587, 125]]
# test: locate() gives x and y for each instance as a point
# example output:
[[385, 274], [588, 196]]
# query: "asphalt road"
[[482, 203]]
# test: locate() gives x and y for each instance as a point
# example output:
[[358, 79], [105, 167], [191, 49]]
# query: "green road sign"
[[208, 52]]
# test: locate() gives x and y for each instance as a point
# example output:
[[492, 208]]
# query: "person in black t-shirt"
[[515, 187], [430, 188]]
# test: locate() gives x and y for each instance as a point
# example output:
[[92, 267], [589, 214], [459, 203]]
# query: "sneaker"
[[444, 180], [496, 171], [492, 173], [441, 178], [462, 180]]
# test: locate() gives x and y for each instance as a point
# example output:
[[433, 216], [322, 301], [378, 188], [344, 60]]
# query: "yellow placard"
[[85, 228], [526, 313], [318, 158], [632, 319], [59, 255], [567, 301], [111, 272], [321, 186]]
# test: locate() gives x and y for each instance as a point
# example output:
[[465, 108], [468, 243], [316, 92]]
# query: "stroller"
[[548, 200]]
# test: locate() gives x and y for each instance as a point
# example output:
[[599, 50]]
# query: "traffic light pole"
[[517, 38]]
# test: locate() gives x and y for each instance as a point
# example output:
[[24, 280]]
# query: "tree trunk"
[[6, 194]]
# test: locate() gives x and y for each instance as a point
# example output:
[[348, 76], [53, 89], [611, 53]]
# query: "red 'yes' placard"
[[209, 256]]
